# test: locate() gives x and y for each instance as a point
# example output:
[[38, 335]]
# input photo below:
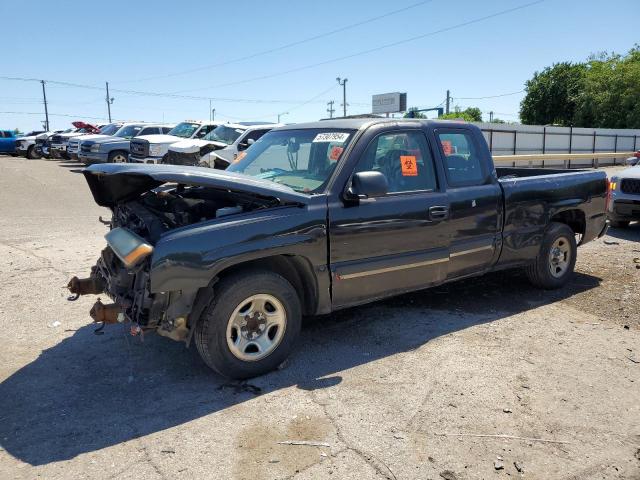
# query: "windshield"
[[184, 129], [128, 131], [110, 129], [224, 134], [301, 159]]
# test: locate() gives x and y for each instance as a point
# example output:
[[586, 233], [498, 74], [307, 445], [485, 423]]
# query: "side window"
[[166, 129], [462, 161], [404, 158], [148, 131], [255, 135], [204, 130]]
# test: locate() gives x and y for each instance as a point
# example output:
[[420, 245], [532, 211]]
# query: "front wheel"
[[32, 153], [556, 260], [251, 326], [117, 157]]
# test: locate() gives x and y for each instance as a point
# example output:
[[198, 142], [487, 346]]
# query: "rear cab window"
[[463, 163]]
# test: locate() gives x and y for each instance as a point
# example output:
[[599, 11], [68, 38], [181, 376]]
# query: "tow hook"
[[84, 286], [109, 313]]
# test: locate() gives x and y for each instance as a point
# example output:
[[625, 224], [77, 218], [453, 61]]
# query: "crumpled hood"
[[112, 183], [159, 138], [193, 145]]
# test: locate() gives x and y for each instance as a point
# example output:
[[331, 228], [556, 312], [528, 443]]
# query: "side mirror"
[[368, 185], [246, 144]]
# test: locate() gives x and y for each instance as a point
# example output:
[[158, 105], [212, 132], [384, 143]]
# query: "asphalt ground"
[[484, 378]]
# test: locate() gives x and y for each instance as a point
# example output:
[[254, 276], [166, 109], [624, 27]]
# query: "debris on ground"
[[305, 443], [448, 475], [518, 466], [55, 324], [498, 465], [507, 410]]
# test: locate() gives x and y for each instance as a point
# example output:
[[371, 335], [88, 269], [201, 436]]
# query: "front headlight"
[[95, 147], [129, 247], [155, 150]]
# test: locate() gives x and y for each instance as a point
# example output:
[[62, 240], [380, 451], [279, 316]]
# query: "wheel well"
[[573, 218], [296, 270], [114, 152]]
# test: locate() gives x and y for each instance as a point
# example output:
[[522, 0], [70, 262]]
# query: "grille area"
[[139, 148], [56, 139], [178, 158], [85, 147], [630, 186]]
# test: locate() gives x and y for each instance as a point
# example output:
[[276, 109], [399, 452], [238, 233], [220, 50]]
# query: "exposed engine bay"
[[172, 207], [149, 217]]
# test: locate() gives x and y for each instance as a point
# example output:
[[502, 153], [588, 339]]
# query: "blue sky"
[[144, 46]]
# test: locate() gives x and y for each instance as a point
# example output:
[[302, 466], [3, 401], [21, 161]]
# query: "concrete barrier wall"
[[505, 139]]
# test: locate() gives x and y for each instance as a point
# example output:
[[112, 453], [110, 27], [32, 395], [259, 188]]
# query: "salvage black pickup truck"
[[321, 216]]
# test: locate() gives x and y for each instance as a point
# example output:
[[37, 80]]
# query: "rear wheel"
[[251, 326], [117, 157], [32, 153], [556, 260], [620, 223]]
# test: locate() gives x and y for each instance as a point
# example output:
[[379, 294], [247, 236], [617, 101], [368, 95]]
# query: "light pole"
[[343, 82], [282, 114]]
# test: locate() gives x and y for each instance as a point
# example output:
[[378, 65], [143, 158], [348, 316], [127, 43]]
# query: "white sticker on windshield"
[[331, 137]]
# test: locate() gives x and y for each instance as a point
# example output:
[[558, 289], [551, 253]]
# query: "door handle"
[[438, 213]]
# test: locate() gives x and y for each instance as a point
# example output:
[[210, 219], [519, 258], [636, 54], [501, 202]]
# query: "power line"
[[53, 115], [282, 47], [370, 50], [489, 96]]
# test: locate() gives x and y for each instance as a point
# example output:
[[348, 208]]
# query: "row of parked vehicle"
[[192, 142]]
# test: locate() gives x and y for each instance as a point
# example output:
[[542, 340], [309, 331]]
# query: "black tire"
[[32, 154], [118, 156], [620, 223], [540, 272], [230, 293]]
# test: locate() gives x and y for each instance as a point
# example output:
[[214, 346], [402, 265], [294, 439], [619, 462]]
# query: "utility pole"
[[213, 114], [109, 101], [344, 94], [46, 112], [330, 110], [282, 114], [448, 101], [491, 116]]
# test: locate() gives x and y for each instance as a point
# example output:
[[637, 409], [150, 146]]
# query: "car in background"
[[106, 131], [7, 141], [152, 148], [115, 148], [220, 147], [624, 203], [26, 145], [58, 143], [634, 159]]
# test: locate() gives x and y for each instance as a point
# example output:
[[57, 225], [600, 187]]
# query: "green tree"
[[414, 113], [611, 93], [553, 94], [471, 114]]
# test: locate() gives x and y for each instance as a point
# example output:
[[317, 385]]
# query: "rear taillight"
[[637, 154], [611, 186]]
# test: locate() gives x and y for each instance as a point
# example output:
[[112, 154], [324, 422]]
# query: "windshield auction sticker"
[[409, 166], [340, 137]]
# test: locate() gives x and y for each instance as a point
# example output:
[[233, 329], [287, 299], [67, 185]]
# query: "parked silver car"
[[624, 206]]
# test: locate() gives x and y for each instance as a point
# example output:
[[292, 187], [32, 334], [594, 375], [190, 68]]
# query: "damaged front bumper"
[[167, 313]]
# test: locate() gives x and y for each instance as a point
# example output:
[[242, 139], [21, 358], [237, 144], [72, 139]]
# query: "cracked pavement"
[[397, 389]]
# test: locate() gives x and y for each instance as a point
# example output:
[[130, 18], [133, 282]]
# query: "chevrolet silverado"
[[321, 216]]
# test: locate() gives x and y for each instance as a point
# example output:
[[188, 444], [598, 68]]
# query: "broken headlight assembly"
[[130, 248]]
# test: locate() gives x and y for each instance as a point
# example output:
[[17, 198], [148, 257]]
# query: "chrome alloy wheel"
[[559, 257], [256, 327]]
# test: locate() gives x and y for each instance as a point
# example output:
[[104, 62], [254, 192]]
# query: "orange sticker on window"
[[239, 157], [447, 148], [409, 165], [335, 153]]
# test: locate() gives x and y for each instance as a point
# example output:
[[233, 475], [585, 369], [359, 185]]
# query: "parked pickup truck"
[[115, 149], [7, 142], [321, 216], [106, 131], [59, 142], [624, 206], [219, 147], [153, 148]]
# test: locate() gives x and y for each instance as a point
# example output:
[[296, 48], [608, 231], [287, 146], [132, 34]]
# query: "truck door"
[[7, 141], [393, 243], [475, 201]]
